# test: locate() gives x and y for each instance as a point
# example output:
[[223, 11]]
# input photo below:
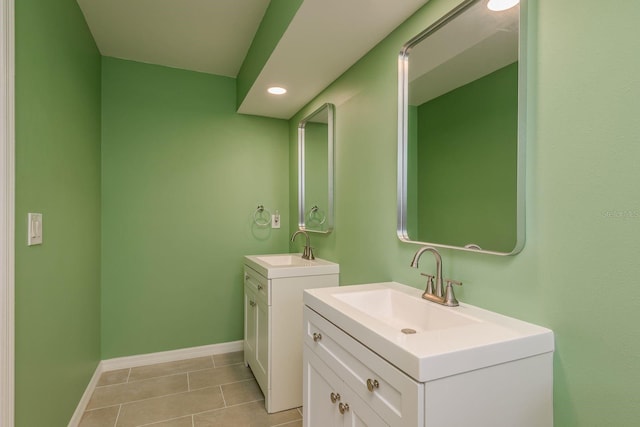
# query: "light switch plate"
[[35, 229]]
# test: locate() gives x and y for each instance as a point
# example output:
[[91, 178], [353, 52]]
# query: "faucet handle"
[[430, 278], [449, 297]]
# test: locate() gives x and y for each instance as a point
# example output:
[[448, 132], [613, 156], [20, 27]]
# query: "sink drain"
[[408, 331]]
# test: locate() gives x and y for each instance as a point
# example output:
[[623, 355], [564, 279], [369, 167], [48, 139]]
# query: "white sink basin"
[[447, 340], [404, 312], [284, 260], [290, 265]]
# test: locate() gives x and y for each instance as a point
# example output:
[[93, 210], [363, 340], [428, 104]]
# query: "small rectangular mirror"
[[315, 170], [461, 131]]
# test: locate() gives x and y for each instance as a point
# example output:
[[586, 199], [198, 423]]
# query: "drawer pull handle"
[[252, 303], [335, 397], [372, 384], [317, 337], [259, 287], [343, 407]]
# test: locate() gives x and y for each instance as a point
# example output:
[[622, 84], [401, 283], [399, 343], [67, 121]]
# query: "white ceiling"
[[211, 36], [322, 41]]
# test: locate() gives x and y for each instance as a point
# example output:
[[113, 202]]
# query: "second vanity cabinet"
[[273, 323]]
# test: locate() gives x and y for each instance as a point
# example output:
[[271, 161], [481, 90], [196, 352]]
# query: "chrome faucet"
[[307, 253], [439, 294]]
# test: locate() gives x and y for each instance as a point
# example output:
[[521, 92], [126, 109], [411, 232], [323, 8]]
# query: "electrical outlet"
[[275, 220]]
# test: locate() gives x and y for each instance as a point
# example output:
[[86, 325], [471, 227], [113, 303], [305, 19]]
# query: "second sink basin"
[[407, 313], [290, 265], [284, 260]]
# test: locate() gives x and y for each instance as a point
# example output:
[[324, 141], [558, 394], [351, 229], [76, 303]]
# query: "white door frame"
[[7, 212]]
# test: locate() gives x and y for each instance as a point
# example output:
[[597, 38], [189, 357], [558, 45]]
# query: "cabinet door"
[[358, 413], [250, 311], [262, 339], [321, 393], [328, 401]]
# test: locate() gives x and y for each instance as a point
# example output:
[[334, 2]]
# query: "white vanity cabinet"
[[273, 327], [491, 371]]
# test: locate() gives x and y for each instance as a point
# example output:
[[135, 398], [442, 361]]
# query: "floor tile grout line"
[[173, 373], [166, 375], [223, 399], [117, 416], [164, 421], [193, 421], [173, 394], [223, 384], [188, 382], [148, 398], [226, 407], [139, 381], [128, 375]]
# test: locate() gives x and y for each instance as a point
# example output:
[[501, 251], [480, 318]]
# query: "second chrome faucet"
[[437, 294], [307, 253]]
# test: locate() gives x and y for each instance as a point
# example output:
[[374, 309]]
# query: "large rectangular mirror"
[[315, 170], [461, 131]]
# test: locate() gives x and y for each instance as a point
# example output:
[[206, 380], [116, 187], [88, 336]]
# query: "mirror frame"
[[330, 163], [403, 98]]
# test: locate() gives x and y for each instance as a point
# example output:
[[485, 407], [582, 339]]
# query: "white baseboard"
[[170, 356], [148, 359], [84, 401]]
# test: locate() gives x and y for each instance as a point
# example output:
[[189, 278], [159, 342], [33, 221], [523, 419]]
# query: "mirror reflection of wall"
[[461, 183], [315, 142], [465, 141], [316, 170]]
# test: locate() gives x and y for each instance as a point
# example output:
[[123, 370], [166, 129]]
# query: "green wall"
[[182, 175], [467, 142], [578, 273], [57, 284]]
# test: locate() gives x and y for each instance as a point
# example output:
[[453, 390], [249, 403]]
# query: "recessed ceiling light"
[[275, 90], [499, 5]]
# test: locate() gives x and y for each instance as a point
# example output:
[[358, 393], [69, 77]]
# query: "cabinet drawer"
[[259, 284], [391, 393]]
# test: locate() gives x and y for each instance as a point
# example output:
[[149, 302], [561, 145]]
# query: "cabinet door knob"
[[259, 287], [343, 407], [252, 303], [317, 336], [372, 384], [335, 397], [246, 277]]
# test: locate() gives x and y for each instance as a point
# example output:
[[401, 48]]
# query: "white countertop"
[[484, 339], [274, 266]]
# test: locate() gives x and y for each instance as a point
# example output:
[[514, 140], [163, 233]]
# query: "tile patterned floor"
[[207, 391]]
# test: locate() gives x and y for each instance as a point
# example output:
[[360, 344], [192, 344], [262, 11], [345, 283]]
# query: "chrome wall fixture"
[[261, 216]]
